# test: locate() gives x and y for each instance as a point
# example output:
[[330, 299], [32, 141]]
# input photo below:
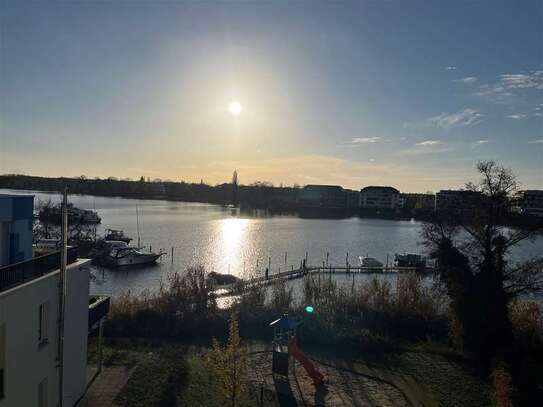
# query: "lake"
[[225, 241]]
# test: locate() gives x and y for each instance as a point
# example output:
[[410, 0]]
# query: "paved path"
[[105, 387]]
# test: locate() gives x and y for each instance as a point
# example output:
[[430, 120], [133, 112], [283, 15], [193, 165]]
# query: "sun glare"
[[235, 108]]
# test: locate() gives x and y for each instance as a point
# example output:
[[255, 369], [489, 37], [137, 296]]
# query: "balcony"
[[24, 271]]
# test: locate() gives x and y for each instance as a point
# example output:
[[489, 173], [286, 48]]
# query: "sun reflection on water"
[[233, 236]]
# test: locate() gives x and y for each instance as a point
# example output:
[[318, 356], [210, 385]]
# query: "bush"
[[187, 310]]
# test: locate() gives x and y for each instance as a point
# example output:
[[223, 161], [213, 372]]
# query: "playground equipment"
[[285, 343]]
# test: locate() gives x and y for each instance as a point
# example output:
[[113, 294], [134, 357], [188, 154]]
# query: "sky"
[[403, 93]]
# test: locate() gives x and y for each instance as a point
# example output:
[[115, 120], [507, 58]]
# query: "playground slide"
[[305, 362]]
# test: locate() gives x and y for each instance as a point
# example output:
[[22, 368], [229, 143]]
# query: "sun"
[[235, 108]]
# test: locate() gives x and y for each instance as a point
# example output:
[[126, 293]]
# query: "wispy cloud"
[[426, 147], [429, 143], [361, 140], [533, 79], [539, 141], [479, 143], [450, 68], [517, 116], [510, 84], [467, 80], [464, 117]]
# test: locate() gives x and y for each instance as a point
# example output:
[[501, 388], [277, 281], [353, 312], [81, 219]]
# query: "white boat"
[[116, 235], [127, 256], [372, 263], [45, 246], [86, 216]]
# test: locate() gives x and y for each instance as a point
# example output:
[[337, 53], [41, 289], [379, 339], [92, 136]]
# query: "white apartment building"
[[29, 339], [29, 320]]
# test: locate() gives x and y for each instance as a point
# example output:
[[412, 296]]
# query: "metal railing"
[[19, 273], [98, 309]]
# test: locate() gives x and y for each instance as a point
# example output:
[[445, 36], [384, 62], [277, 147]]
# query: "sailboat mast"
[[138, 225]]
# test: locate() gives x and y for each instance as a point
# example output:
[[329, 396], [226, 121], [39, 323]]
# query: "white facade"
[[29, 339]]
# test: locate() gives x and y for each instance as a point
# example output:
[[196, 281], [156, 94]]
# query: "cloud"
[[479, 143], [533, 79], [467, 80], [539, 141], [359, 140], [429, 143], [517, 116], [425, 147], [510, 84], [464, 117], [450, 68]]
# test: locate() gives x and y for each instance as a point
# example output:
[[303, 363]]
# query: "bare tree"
[[472, 245]]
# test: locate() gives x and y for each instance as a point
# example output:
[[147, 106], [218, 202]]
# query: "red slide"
[[305, 362]]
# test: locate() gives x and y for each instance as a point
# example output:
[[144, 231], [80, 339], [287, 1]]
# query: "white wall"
[[75, 336], [27, 363]]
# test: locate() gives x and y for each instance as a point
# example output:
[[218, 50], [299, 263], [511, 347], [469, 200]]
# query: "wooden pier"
[[242, 286]]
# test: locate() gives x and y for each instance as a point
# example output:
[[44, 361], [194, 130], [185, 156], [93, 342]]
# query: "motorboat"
[[75, 215], [410, 260], [85, 215], [45, 246], [127, 256], [371, 263], [116, 235]]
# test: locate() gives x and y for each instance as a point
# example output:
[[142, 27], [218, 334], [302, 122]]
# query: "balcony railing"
[[98, 309], [19, 273]]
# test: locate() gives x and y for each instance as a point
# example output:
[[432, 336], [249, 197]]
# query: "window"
[[43, 324], [42, 393]]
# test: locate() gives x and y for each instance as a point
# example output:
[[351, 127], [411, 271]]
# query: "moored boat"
[[75, 215], [410, 260], [116, 235], [127, 256], [45, 246], [371, 263]]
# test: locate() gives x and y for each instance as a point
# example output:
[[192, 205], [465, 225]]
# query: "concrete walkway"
[[105, 387]]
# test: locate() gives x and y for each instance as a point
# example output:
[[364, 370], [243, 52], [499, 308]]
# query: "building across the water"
[[529, 202], [322, 196], [457, 200], [419, 202], [380, 198], [30, 318]]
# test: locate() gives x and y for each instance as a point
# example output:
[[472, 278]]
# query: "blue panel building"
[[16, 217]]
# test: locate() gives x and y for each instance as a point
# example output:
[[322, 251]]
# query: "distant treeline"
[[258, 195]]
